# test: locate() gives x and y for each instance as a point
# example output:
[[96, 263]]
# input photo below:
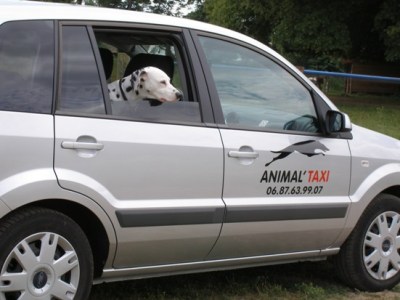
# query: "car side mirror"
[[337, 122]]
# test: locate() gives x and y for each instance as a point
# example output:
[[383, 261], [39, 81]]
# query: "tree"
[[312, 33], [246, 16], [166, 7], [387, 24], [316, 33], [198, 13]]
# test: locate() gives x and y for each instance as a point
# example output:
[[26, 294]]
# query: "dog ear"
[[143, 75]]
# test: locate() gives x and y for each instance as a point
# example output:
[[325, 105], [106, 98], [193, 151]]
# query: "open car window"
[[124, 55]]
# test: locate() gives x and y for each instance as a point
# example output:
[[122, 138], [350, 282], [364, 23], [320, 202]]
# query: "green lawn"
[[313, 280], [293, 281], [379, 114]]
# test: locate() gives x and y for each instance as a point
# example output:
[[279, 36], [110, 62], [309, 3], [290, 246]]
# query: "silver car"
[[253, 166]]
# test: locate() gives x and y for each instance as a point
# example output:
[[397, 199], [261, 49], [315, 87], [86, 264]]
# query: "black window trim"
[[57, 62], [99, 65], [58, 76]]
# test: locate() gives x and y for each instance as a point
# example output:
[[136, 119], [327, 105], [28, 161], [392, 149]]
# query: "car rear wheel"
[[44, 255], [370, 258]]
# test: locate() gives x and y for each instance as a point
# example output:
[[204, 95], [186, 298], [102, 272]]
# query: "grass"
[[300, 281], [382, 119], [381, 114]]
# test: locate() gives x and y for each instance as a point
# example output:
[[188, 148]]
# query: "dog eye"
[[163, 82]]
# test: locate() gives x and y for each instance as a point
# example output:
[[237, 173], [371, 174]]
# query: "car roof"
[[12, 10], [32, 10]]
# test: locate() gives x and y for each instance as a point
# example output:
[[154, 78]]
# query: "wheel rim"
[[43, 265], [382, 246]]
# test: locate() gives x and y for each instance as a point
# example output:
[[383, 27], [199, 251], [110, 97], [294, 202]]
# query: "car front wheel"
[[44, 255], [370, 258]]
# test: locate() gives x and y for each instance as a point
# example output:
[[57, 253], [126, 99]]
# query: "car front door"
[[285, 183], [157, 172]]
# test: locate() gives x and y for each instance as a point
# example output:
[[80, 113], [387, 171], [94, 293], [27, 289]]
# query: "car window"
[[26, 66], [256, 92], [81, 89], [123, 53]]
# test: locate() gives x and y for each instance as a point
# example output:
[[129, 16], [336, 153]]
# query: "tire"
[[44, 255], [370, 258]]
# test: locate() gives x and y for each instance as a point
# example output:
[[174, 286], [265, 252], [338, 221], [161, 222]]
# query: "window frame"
[[217, 108], [184, 46], [59, 69]]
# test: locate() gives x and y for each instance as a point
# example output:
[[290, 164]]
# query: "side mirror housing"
[[336, 122]]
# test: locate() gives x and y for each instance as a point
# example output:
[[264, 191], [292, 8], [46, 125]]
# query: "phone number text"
[[295, 190]]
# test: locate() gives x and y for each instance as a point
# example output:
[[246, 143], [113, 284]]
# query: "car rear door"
[[285, 183], [26, 122], [157, 173]]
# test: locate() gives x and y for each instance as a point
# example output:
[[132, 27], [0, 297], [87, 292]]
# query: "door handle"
[[82, 145], [243, 154]]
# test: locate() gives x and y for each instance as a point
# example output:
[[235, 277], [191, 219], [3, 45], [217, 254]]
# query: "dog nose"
[[179, 95]]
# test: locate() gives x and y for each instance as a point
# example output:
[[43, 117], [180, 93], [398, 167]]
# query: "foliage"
[[365, 44], [199, 13], [297, 29], [156, 6], [315, 33], [246, 16], [321, 33], [166, 7], [387, 23]]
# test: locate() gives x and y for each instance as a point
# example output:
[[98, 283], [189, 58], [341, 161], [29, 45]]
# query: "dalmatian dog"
[[149, 83]]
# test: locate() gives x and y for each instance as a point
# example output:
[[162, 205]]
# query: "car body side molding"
[[212, 215]]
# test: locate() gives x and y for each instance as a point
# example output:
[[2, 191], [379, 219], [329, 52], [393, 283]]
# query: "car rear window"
[[26, 66]]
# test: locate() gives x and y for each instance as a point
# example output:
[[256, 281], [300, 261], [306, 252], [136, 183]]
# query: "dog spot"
[[123, 79], [140, 86], [128, 89], [142, 79], [118, 96], [108, 90], [113, 90], [137, 92], [134, 77]]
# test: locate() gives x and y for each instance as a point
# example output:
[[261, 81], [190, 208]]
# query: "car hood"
[[371, 144], [373, 155]]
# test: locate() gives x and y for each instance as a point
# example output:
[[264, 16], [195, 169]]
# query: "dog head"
[[153, 83]]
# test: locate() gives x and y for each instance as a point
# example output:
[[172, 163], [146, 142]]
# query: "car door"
[[157, 171], [285, 182], [26, 96]]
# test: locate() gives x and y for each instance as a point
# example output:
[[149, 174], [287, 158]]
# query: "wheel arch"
[[393, 190], [384, 180], [351, 262], [91, 226], [40, 188], [88, 221]]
